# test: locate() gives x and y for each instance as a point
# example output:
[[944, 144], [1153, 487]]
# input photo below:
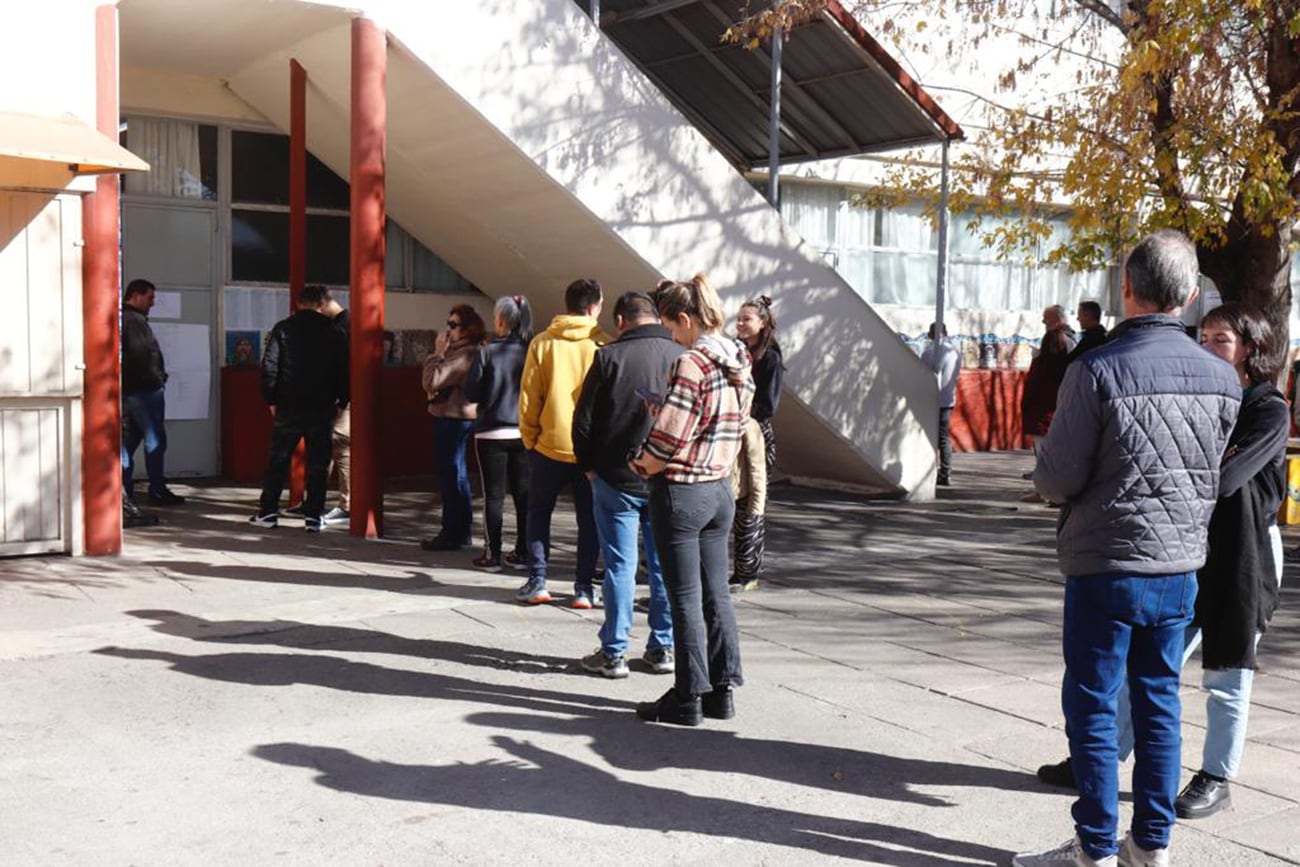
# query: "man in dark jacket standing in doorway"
[[305, 383], [1133, 455], [610, 421], [1094, 333], [144, 407]]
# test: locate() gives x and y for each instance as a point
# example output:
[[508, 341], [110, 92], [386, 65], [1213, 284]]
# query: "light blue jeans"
[[1227, 702], [619, 517]]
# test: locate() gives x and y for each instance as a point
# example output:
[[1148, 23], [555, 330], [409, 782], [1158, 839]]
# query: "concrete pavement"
[[227, 695]]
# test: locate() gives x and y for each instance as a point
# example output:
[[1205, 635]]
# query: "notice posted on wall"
[[166, 305], [187, 353], [254, 309]]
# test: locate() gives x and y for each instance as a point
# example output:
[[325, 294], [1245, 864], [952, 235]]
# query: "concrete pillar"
[[369, 122], [101, 449]]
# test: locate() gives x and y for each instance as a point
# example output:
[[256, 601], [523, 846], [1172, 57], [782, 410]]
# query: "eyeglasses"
[[452, 323]]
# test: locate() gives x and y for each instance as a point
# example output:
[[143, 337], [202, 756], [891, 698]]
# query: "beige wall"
[[160, 92]]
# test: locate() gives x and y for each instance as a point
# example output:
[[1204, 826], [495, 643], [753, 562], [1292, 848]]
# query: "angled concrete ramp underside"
[[526, 150]]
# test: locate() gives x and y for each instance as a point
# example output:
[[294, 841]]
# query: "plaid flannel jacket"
[[702, 421]]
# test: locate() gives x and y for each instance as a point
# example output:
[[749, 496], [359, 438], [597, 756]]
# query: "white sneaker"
[[1068, 854], [336, 516], [1133, 855]]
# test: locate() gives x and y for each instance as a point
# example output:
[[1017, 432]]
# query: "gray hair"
[[1162, 270], [514, 311]]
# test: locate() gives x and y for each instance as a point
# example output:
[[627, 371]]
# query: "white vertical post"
[[941, 280]]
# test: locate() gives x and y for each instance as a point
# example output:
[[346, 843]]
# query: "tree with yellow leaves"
[[1182, 114]]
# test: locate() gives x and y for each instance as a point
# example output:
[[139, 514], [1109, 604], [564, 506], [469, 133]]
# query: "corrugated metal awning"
[[841, 92], [65, 140]]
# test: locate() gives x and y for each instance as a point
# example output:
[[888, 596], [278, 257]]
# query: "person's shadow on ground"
[[547, 783], [333, 672], [309, 636], [838, 769]]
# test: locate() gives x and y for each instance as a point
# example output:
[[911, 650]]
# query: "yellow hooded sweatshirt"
[[557, 364]]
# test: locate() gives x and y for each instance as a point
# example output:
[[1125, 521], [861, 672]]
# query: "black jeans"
[[504, 465], [545, 481], [287, 430], [945, 443], [691, 524]]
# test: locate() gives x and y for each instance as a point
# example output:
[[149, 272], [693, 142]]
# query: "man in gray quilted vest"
[[1133, 454]]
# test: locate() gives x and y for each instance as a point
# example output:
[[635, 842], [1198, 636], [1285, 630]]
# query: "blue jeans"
[[619, 515], [142, 421], [450, 436], [1227, 701], [1118, 627], [546, 479]]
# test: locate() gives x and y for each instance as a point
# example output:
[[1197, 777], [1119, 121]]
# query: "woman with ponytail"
[[493, 383], [688, 457]]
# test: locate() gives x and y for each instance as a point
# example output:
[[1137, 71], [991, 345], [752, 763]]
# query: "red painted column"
[[297, 232], [369, 121], [101, 446]]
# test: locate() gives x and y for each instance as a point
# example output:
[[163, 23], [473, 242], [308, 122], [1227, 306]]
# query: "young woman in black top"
[[756, 328]]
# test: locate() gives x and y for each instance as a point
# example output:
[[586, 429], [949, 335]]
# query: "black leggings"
[[504, 465]]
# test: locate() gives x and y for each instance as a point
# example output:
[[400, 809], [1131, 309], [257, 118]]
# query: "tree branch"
[[1105, 13]]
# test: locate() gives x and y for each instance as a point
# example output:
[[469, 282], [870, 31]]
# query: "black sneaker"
[[270, 520], [166, 498], [718, 704], [443, 543], [1204, 796], [517, 560], [314, 525], [293, 512], [1060, 775], [671, 709]]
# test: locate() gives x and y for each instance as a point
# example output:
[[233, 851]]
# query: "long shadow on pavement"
[[310, 636], [547, 783]]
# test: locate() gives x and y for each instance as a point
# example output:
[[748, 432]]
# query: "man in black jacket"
[[305, 383], [612, 419], [1094, 333], [144, 376]]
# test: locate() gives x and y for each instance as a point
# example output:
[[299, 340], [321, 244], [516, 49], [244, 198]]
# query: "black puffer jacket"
[[142, 360], [305, 366]]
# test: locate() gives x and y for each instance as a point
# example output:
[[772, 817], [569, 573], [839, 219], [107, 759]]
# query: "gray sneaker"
[[660, 660], [1068, 854], [605, 666], [1133, 855], [336, 516]]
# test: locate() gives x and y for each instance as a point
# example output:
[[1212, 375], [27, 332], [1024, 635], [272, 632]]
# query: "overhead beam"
[[610, 19]]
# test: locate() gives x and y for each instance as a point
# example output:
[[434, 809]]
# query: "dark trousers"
[[945, 442], [450, 438], [546, 479], [143, 422], [504, 465], [288, 429], [690, 524]]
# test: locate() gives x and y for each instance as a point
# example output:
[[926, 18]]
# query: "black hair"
[[635, 305], [313, 295], [1254, 331], [762, 305], [580, 295], [1092, 308], [138, 286]]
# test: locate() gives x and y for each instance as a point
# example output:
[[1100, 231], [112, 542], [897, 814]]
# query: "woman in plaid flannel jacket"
[[688, 455]]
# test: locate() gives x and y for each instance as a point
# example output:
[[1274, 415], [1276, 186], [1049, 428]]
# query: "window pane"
[[259, 167], [259, 246], [395, 257], [328, 247], [182, 158], [431, 274]]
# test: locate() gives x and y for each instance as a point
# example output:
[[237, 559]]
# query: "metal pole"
[[297, 235], [774, 124], [941, 281], [595, 12]]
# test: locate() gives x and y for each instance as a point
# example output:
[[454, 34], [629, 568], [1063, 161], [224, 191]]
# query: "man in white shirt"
[[942, 357]]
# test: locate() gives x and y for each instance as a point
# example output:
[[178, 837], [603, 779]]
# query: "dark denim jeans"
[[945, 442], [143, 416], [546, 479], [450, 438], [1118, 627], [504, 465], [691, 524], [287, 430], [620, 518]]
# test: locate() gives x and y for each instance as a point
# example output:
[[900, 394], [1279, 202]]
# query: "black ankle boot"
[[671, 709], [718, 704]]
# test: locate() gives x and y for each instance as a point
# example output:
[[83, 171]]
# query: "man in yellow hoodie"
[[556, 365]]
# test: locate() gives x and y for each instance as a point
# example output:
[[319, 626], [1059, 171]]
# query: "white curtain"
[[171, 148]]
